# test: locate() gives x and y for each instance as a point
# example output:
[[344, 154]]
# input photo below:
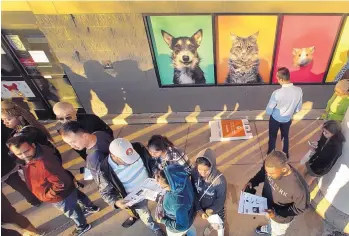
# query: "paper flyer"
[[149, 189], [252, 204]]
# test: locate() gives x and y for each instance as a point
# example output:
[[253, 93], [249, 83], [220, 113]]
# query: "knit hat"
[[123, 149]]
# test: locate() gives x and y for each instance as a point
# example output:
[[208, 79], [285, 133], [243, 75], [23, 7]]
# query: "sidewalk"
[[238, 160]]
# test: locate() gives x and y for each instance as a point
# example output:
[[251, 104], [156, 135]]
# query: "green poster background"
[[179, 26]]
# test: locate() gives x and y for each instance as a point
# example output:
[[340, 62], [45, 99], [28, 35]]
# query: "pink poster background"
[[304, 32]]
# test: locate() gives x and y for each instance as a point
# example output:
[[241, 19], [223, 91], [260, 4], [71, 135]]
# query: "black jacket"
[[109, 185], [8, 163], [325, 155]]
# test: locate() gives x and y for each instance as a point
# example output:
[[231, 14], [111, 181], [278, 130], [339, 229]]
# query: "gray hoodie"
[[215, 196]]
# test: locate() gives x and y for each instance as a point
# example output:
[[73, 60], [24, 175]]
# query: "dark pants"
[[274, 127], [72, 210], [9, 215], [9, 232], [20, 186]]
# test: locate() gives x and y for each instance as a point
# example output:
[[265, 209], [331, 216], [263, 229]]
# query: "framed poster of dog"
[[182, 48]]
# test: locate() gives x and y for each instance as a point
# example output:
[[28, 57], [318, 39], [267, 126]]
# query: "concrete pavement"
[[238, 160]]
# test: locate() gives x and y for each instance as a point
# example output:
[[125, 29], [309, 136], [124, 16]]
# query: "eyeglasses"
[[68, 118]]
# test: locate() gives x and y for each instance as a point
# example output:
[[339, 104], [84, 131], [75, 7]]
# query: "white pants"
[[190, 232], [277, 229]]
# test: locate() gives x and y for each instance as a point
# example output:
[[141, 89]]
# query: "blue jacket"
[[178, 203]]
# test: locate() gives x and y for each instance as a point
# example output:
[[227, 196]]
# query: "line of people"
[[118, 166]]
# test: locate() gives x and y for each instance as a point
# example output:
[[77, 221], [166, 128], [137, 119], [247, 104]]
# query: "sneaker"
[[78, 232], [129, 222], [36, 204], [91, 210], [159, 232], [262, 229]]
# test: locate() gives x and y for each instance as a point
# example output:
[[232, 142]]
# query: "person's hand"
[[204, 216], [270, 213], [121, 204], [248, 185]]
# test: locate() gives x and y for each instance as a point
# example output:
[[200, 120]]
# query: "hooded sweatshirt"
[[178, 203], [214, 185]]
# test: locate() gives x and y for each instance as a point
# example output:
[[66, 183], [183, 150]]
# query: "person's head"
[[283, 75], [204, 166], [122, 152], [332, 129], [342, 88], [22, 147], [161, 179], [75, 135], [64, 112], [276, 165], [11, 114], [158, 145], [14, 116]]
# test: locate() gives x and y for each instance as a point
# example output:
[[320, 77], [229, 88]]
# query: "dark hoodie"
[[178, 203], [215, 196]]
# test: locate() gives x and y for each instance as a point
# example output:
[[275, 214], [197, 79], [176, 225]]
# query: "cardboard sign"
[[226, 130]]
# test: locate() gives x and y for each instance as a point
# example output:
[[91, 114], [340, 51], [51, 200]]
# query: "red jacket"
[[46, 178]]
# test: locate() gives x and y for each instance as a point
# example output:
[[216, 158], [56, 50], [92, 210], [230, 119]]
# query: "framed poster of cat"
[[245, 48], [305, 45], [182, 49]]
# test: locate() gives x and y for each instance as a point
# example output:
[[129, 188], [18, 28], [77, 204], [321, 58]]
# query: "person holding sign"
[[211, 188], [286, 192]]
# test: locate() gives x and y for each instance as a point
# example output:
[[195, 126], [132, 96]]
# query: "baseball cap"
[[122, 148]]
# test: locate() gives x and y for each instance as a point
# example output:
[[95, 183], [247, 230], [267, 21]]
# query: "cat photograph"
[[243, 62]]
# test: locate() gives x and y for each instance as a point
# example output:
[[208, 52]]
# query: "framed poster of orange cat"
[[305, 44], [245, 48]]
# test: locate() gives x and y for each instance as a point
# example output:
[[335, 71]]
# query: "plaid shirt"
[[173, 156]]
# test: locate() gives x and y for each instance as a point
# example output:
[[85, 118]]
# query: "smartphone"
[[82, 170]]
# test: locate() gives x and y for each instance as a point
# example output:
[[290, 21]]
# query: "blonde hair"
[[12, 109]]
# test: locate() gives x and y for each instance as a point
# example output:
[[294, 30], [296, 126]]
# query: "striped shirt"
[[284, 102], [131, 176]]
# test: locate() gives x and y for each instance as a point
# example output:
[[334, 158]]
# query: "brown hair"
[[12, 109]]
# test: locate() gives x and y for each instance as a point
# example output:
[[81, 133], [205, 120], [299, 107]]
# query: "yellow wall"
[[83, 7], [341, 54]]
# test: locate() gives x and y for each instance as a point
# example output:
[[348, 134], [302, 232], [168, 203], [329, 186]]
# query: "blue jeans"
[[72, 210], [144, 214]]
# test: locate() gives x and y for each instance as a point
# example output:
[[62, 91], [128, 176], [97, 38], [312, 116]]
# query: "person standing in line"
[[25, 124], [165, 153], [9, 170], [338, 103], [48, 180], [97, 148], [9, 215], [65, 112], [123, 171], [326, 151], [283, 104], [176, 208], [211, 188], [286, 192]]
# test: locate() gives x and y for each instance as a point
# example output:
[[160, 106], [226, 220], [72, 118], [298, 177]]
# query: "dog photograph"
[[304, 47], [183, 49], [244, 47]]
